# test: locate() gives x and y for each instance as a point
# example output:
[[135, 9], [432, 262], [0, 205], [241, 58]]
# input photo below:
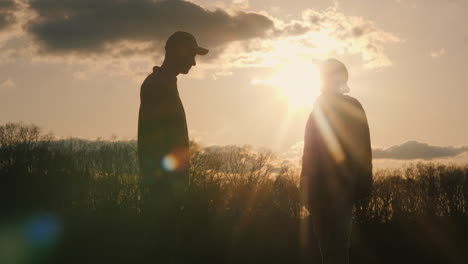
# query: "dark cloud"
[[7, 16], [90, 26], [416, 150]]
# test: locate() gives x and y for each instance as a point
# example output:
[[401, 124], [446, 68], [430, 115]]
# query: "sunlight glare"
[[297, 82]]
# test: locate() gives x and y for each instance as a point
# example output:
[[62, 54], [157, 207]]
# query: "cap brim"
[[201, 51]]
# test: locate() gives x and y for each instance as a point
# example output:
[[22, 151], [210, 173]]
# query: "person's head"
[[334, 76], [181, 49]]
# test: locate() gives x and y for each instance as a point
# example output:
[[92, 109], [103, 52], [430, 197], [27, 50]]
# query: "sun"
[[297, 82]]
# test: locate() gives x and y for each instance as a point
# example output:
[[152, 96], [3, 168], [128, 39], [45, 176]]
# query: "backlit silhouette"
[[163, 143], [337, 162]]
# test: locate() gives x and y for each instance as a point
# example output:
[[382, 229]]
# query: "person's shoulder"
[[149, 77], [352, 101], [319, 100], [153, 79], [333, 99], [337, 101]]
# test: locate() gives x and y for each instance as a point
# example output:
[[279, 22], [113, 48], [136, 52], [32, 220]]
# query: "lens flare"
[[30, 240], [42, 230], [170, 162]]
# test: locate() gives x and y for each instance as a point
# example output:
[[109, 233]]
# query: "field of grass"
[[78, 201]]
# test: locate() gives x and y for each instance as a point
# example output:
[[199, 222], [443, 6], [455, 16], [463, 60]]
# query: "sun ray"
[[296, 81]]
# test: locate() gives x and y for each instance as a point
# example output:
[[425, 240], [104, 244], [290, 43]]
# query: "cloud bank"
[[126, 37], [7, 13], [417, 150], [411, 150], [132, 27], [89, 26], [357, 34]]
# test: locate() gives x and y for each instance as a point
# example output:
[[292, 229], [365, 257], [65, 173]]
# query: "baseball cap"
[[185, 40], [336, 69]]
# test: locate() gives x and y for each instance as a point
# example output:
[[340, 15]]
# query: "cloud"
[[134, 27], [89, 26], [410, 150], [437, 53], [241, 3], [126, 37], [315, 36], [7, 13], [294, 153], [357, 35], [8, 83], [417, 150]]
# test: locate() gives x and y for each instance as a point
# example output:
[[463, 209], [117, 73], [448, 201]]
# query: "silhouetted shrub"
[[240, 204]]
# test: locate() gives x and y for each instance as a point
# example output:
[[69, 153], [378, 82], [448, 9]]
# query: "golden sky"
[[74, 67]]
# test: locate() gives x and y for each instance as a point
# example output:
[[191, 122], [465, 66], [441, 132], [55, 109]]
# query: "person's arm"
[[308, 160], [365, 181]]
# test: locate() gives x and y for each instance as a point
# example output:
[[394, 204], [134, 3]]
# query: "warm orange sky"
[[75, 66]]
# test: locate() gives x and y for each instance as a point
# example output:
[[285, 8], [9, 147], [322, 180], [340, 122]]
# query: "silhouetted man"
[[163, 143], [337, 162]]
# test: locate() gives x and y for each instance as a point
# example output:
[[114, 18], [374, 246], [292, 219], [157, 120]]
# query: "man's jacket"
[[163, 143], [337, 160]]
